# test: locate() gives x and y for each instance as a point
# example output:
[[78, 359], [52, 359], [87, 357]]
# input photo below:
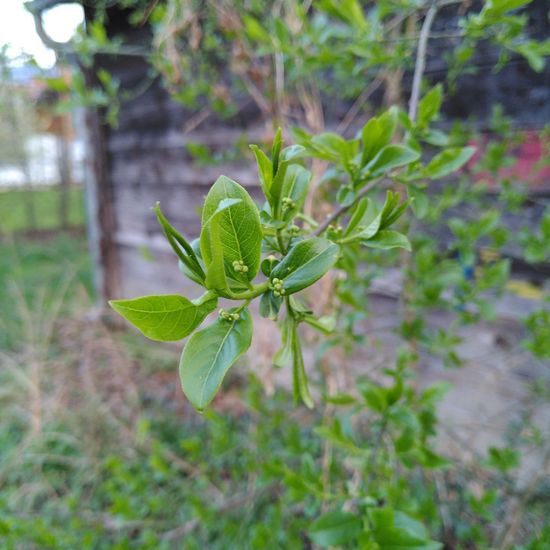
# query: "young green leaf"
[[210, 353], [429, 106], [390, 157], [366, 222], [276, 192], [330, 146], [265, 170], [377, 133], [190, 274], [167, 317], [283, 356], [231, 234], [305, 263], [270, 305], [448, 161], [187, 256], [299, 376], [215, 267], [325, 324], [276, 150], [293, 153], [335, 529], [294, 191], [268, 264], [387, 239], [364, 210], [392, 529]]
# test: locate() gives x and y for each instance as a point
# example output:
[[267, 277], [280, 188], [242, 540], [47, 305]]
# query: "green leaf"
[[377, 133], [375, 397], [325, 324], [293, 153], [268, 264], [283, 356], [366, 222], [360, 213], [390, 157], [295, 187], [231, 232], [448, 161], [255, 31], [305, 263], [185, 252], [330, 146], [387, 239], [270, 305], [276, 192], [436, 138], [265, 170], [299, 376], [495, 8], [335, 528], [167, 317], [535, 52], [215, 268], [394, 530], [276, 150], [209, 354], [189, 273], [429, 106]]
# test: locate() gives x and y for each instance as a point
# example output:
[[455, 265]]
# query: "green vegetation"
[[15, 205], [40, 277], [99, 447]]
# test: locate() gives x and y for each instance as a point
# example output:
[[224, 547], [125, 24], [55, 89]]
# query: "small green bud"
[[288, 203], [239, 267], [294, 230]]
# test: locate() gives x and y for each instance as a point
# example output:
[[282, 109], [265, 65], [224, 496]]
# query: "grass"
[[98, 449], [14, 215], [33, 273]]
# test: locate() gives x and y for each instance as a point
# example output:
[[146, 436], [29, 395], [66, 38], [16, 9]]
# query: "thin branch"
[[420, 64], [197, 119], [359, 102], [256, 94], [343, 209]]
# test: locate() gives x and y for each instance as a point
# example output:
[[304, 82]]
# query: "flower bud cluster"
[[228, 316], [239, 267], [294, 230], [287, 203], [277, 287]]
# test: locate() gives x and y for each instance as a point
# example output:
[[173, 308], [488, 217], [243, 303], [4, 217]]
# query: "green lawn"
[[14, 215]]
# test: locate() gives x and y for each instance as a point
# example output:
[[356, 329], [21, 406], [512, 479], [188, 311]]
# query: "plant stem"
[[256, 291], [420, 64], [342, 210], [280, 242]]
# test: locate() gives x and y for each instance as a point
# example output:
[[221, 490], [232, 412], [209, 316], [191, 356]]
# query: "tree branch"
[[343, 209], [420, 64]]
